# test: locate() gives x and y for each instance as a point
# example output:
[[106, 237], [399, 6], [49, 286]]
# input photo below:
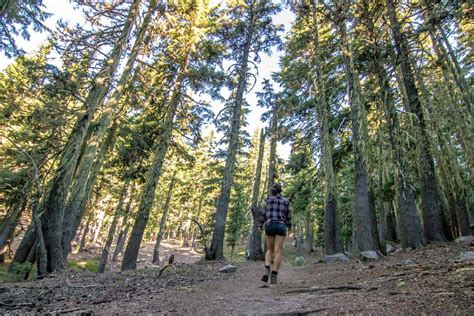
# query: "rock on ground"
[[338, 257], [389, 248], [467, 256], [408, 262], [370, 255], [469, 240], [228, 269]]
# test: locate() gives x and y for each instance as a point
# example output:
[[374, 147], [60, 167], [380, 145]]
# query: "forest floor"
[[435, 282]]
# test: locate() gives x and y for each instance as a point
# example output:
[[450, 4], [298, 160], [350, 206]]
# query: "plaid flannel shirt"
[[277, 209]]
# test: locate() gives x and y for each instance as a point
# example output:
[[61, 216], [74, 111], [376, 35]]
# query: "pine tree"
[[365, 229], [55, 202], [255, 251], [100, 141], [433, 221], [188, 37], [409, 222], [332, 240], [252, 31]]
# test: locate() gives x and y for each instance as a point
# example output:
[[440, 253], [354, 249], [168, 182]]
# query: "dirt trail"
[[436, 283]]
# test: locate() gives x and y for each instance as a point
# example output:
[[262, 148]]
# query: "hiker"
[[276, 217]]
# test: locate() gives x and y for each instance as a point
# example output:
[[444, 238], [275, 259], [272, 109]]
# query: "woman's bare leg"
[[278, 245], [270, 250]]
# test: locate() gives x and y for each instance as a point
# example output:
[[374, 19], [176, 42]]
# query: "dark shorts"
[[275, 228]]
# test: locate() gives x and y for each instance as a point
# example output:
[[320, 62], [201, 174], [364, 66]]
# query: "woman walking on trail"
[[276, 217]]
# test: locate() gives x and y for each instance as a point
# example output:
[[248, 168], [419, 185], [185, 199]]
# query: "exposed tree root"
[[311, 311], [329, 288], [16, 305]]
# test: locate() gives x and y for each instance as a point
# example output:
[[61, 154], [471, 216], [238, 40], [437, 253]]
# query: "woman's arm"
[[288, 216], [261, 217]]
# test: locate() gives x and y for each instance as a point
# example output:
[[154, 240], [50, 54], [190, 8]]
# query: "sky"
[[63, 9]]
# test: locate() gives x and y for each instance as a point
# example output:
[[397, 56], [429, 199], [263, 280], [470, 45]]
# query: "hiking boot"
[[267, 274], [273, 278]]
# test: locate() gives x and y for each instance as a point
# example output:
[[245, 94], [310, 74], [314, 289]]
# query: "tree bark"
[[216, 249], [309, 239], [113, 226], [332, 239], [453, 63], [147, 197], [161, 231], [272, 161], [125, 227], [42, 256], [365, 229], [100, 144], [26, 244], [410, 227], [85, 233], [73, 210], [431, 209], [462, 215], [391, 224], [255, 246], [56, 200], [75, 221], [429, 110], [9, 223], [465, 137]]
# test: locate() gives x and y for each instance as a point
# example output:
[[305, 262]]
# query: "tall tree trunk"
[[42, 256], [450, 56], [193, 242], [187, 228], [125, 226], [365, 229], [332, 239], [99, 143], [56, 200], [113, 226], [9, 223], [391, 224], [455, 185], [97, 227], [73, 222], [272, 161], [85, 233], [309, 239], [465, 88], [79, 189], [411, 231], [216, 250], [255, 246], [147, 197], [429, 110], [26, 244], [161, 231], [431, 208], [462, 215], [381, 195], [298, 239], [461, 125]]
